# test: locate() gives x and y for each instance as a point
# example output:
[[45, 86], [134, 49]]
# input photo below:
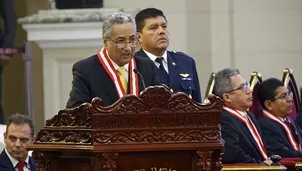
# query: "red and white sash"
[[109, 68], [252, 128], [295, 145]]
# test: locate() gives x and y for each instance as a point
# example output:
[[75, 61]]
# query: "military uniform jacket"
[[182, 74]]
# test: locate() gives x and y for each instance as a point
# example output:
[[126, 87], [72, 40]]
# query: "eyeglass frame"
[[288, 94], [243, 86], [124, 44]]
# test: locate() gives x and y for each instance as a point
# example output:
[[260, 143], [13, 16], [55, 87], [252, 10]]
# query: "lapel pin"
[[173, 63]]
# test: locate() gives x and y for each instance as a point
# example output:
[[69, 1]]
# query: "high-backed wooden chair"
[[210, 88], [255, 81], [290, 82]]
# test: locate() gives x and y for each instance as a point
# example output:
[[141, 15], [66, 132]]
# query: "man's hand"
[[4, 59], [268, 162]]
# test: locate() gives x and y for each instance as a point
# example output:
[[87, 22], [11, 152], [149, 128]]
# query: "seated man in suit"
[[239, 129], [113, 72], [19, 134], [174, 69], [279, 131]]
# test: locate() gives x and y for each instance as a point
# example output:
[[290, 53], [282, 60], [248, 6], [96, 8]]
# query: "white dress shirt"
[[15, 162], [165, 61]]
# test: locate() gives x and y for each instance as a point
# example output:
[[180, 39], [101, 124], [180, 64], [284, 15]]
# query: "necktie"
[[123, 80], [161, 66], [292, 129], [162, 73], [20, 166]]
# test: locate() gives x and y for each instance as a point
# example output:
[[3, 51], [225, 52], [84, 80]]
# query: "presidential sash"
[[109, 68], [295, 145], [252, 128]]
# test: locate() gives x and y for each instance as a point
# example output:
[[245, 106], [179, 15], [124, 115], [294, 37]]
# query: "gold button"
[[171, 90]]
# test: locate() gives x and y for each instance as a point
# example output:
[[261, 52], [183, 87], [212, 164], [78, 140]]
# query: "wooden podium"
[[156, 131]]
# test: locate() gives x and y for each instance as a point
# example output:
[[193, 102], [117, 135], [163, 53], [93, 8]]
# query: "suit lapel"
[[297, 129], [32, 164], [140, 82], [141, 53], [108, 84], [247, 133], [5, 162], [172, 67], [250, 134]]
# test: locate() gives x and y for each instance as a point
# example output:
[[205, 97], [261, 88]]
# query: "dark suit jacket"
[[276, 139], [8, 14], [299, 119], [180, 63], [6, 164], [91, 80], [239, 144]]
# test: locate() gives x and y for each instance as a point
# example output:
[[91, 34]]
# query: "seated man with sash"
[[239, 129], [114, 71], [282, 135]]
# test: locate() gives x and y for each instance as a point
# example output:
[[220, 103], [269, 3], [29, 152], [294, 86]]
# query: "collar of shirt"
[[282, 118], [244, 114], [153, 57], [15, 162]]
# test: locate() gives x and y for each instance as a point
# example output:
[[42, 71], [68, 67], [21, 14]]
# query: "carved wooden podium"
[[156, 131]]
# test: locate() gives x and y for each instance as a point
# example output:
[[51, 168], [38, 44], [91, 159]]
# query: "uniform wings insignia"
[[184, 75]]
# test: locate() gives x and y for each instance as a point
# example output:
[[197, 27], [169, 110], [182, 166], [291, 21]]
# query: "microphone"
[[140, 76]]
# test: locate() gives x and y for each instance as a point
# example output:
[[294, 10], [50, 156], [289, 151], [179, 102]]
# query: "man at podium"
[[114, 71], [239, 129]]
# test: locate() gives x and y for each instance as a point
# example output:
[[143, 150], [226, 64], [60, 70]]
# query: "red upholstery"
[[290, 163], [256, 108], [294, 111], [255, 81]]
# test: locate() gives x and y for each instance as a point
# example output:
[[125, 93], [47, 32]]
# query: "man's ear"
[[105, 41], [4, 135], [268, 105], [33, 139], [226, 97], [139, 37]]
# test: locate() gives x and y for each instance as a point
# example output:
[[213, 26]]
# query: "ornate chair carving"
[[255, 80], [210, 88], [290, 82]]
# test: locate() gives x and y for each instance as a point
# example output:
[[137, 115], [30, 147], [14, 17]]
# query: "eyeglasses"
[[285, 96], [122, 43], [243, 86]]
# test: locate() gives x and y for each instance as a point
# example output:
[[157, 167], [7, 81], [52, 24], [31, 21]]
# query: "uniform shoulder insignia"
[[173, 51]]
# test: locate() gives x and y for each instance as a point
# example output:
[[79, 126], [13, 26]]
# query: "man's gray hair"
[[116, 18], [223, 81]]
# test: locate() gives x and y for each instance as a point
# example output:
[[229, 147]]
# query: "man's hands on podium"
[[4, 59]]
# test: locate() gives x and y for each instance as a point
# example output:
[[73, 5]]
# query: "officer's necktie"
[[292, 129], [162, 73], [20, 166], [122, 71]]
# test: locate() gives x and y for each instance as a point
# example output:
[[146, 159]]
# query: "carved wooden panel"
[[156, 131], [156, 136], [64, 136]]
